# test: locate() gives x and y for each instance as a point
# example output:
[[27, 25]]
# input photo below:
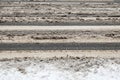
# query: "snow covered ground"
[[67, 68]]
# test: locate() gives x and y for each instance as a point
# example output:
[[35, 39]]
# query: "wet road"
[[59, 46]]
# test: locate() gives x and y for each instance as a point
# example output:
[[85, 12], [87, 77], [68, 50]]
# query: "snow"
[[60, 69]]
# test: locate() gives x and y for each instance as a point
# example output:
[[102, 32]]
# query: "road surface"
[[60, 46]]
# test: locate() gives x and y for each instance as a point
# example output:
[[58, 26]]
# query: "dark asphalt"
[[59, 46]]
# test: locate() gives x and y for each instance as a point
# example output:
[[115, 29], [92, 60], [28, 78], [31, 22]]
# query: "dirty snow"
[[68, 68]]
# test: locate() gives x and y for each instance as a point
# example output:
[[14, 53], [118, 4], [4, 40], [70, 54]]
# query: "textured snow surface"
[[68, 68]]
